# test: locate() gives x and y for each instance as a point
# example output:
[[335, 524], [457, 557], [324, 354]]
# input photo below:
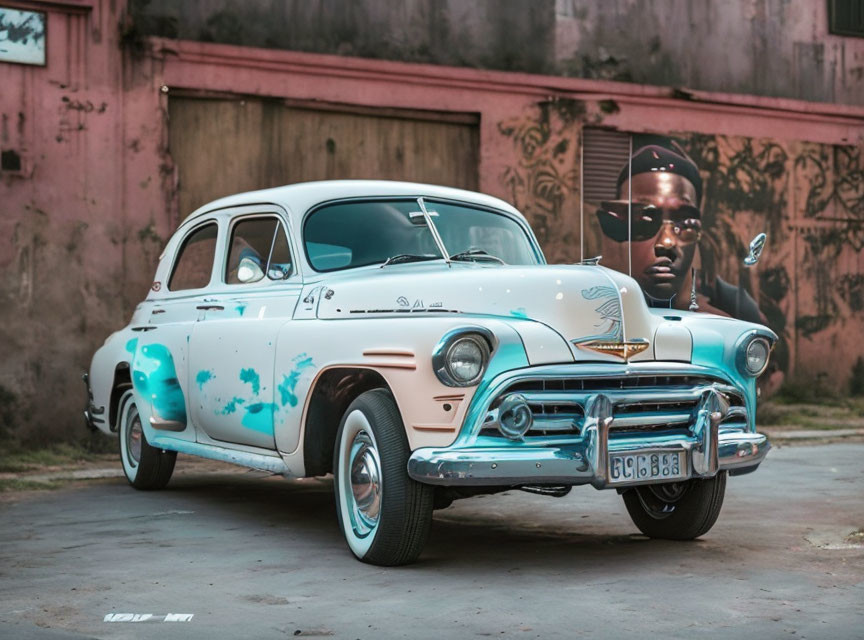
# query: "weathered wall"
[[760, 47], [494, 34], [82, 224]]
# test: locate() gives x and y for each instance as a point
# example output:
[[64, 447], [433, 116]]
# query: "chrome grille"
[[641, 403]]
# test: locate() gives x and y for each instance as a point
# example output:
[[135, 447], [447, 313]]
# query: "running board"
[[271, 463]]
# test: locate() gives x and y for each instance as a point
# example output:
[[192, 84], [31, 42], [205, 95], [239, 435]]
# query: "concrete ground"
[[257, 557]]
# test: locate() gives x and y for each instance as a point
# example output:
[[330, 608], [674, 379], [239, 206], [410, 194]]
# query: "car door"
[[233, 344], [159, 351]]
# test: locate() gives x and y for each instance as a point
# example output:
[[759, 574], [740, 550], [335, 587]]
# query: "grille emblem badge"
[[624, 350]]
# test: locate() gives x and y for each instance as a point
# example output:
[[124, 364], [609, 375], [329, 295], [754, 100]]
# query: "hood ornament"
[[624, 350]]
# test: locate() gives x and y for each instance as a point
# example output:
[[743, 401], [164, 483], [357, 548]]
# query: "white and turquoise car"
[[412, 341]]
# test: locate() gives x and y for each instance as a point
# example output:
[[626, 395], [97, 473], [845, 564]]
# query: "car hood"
[[584, 304]]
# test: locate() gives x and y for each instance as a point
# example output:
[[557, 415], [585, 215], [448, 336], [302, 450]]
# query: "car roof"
[[299, 198]]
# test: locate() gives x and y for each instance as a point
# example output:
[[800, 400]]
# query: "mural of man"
[[665, 226]]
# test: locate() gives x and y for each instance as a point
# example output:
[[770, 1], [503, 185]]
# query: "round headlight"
[[466, 359], [756, 356]]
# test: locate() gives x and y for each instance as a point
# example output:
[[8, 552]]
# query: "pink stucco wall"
[[81, 225]]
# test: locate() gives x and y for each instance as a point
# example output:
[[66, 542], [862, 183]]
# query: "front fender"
[[400, 351], [716, 342]]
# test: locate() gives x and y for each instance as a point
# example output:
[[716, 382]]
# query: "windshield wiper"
[[476, 254], [408, 257]]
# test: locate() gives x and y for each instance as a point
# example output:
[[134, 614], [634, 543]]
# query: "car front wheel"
[[676, 510], [145, 467], [384, 515]]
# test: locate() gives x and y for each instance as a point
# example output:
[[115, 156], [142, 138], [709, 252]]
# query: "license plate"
[[641, 467]]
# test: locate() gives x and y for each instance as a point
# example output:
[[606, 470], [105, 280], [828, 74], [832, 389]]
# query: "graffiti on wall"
[[808, 197], [543, 182]]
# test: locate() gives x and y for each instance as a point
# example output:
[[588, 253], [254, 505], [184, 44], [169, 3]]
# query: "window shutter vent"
[[604, 152], [846, 17]]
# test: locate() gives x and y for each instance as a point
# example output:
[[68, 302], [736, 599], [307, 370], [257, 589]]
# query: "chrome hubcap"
[[365, 476], [134, 435]]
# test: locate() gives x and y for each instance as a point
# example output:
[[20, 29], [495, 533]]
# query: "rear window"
[[194, 264]]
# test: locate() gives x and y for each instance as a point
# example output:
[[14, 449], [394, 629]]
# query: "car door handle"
[[210, 307], [145, 328]]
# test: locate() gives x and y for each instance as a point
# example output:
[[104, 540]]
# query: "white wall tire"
[[145, 467], [130, 420], [384, 515]]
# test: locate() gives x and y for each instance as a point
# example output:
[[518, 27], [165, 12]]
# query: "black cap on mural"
[[653, 158]]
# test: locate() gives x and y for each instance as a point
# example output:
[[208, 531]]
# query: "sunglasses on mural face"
[[646, 221]]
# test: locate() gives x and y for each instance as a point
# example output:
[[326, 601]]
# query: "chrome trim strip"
[[166, 425], [628, 395], [269, 461], [652, 417]]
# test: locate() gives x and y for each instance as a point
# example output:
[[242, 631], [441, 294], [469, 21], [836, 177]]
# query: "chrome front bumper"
[[707, 449]]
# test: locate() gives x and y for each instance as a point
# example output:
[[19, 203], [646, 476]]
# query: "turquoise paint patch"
[[204, 376], [240, 308], [519, 313], [250, 376], [132, 345], [708, 352], [231, 407], [289, 382], [259, 417], [155, 378], [286, 389]]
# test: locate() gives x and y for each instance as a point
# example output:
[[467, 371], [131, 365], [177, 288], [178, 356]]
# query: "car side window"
[[194, 263], [259, 247]]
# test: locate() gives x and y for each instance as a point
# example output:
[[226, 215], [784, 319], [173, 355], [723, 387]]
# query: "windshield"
[[359, 233]]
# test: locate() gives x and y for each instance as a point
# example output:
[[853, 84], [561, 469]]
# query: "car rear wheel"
[[676, 510], [145, 467], [384, 515]]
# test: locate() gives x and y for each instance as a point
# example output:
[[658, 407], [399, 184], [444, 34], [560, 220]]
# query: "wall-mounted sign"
[[22, 36]]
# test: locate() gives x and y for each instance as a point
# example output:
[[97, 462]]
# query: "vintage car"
[[411, 340]]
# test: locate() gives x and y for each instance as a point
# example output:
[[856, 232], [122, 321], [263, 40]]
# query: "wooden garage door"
[[222, 146]]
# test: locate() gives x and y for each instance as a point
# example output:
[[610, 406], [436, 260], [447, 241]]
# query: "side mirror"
[[757, 244], [249, 270], [279, 271]]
